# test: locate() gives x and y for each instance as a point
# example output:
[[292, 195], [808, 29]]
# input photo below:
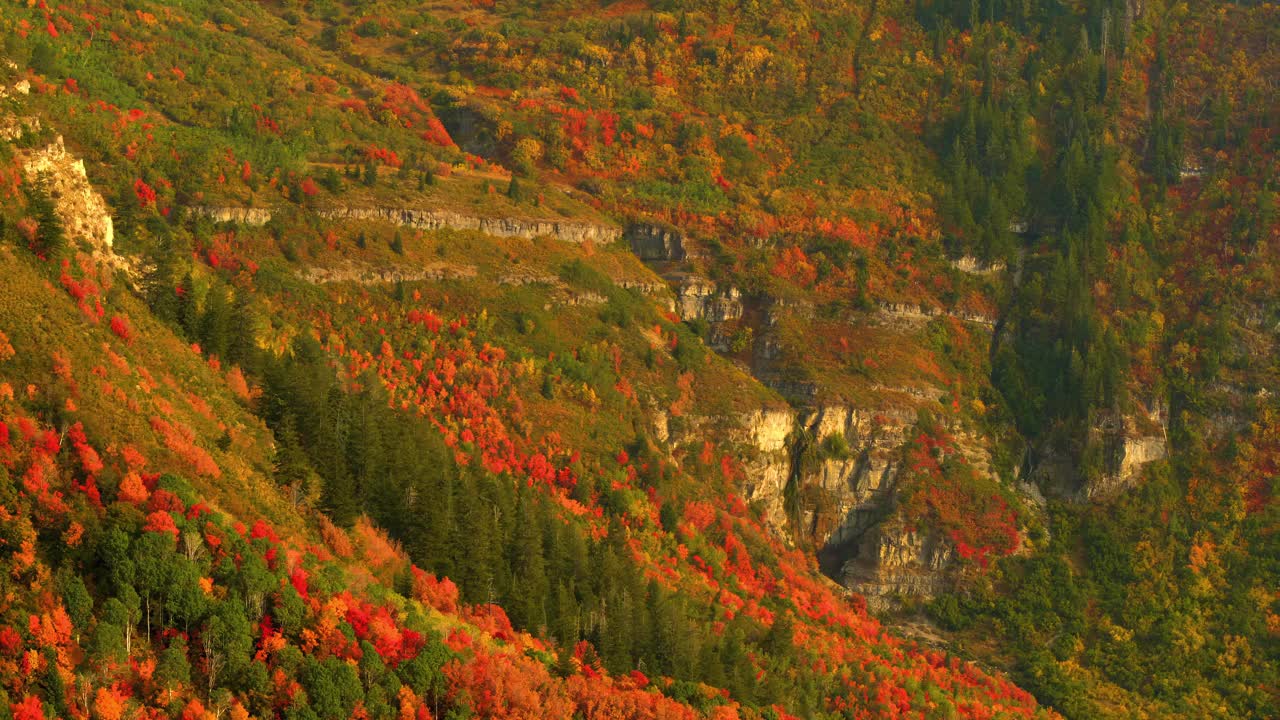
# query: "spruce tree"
[[338, 498], [330, 181], [164, 285], [50, 238], [291, 470], [75, 597], [173, 668], [515, 190], [216, 323], [529, 586], [472, 550]]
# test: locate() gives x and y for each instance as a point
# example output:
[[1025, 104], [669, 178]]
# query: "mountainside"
[[639, 359]]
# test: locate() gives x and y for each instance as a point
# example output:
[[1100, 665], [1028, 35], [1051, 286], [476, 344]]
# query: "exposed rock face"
[[584, 298], [848, 493], [763, 438], [653, 242], [830, 474], [698, 298], [893, 561], [567, 230], [853, 493], [424, 219], [768, 467], [826, 472], [12, 128], [920, 314], [237, 215], [1138, 451], [661, 423], [21, 87], [81, 209], [520, 277], [645, 287], [974, 266], [851, 481], [768, 429], [1129, 442]]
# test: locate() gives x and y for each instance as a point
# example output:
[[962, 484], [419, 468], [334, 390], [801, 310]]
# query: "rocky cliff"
[[81, 209], [61, 174], [824, 472], [848, 476], [1121, 445], [768, 466], [566, 230], [894, 562], [428, 219], [1129, 441], [237, 215], [827, 477], [698, 298], [974, 266], [654, 242], [53, 169], [919, 313]]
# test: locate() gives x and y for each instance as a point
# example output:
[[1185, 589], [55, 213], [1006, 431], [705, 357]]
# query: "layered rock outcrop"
[[852, 480], [237, 215], [894, 562], [698, 298], [428, 219], [768, 466], [920, 314], [974, 266], [567, 230]]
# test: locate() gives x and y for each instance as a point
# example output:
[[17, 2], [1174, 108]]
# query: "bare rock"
[[81, 209], [432, 219], [655, 242]]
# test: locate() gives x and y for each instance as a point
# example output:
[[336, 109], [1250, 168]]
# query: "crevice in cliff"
[[822, 470], [798, 445]]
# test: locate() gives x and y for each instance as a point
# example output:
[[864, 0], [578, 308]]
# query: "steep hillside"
[[167, 554], [639, 359]]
